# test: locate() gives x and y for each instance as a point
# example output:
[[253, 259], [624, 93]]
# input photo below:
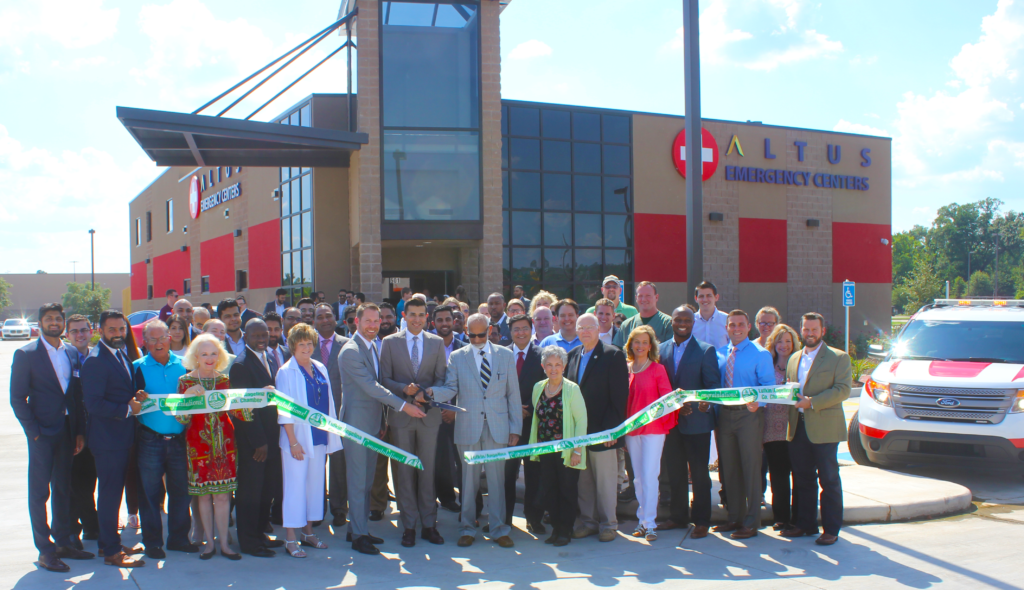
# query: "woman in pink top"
[[648, 381]]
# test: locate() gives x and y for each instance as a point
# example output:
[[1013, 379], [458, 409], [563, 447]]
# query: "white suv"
[[951, 389]]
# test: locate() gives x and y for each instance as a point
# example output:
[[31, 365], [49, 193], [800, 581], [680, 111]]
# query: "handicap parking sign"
[[849, 293]]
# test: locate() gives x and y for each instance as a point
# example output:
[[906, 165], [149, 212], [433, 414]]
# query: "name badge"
[[74, 373]]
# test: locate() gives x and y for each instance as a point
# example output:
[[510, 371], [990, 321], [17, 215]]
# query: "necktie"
[[124, 363], [376, 360], [266, 365], [730, 365], [277, 357], [519, 363], [325, 350], [485, 371], [415, 355]]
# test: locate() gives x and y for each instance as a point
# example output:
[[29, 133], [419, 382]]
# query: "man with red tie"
[[530, 371]]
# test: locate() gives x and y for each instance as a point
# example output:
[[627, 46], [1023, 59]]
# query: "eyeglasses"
[[765, 323], [81, 331], [163, 338], [481, 335], [522, 329]]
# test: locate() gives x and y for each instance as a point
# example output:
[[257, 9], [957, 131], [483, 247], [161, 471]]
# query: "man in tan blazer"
[[816, 427]]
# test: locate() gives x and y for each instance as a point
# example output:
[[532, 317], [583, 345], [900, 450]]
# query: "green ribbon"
[[222, 400], [670, 402]]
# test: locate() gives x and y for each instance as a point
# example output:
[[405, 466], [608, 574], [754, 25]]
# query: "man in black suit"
[[603, 376], [78, 329], [247, 314], [329, 345], [278, 304], [44, 398], [496, 314], [527, 357], [259, 456], [691, 365], [109, 386]]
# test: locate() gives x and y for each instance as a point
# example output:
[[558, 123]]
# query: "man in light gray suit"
[[484, 377], [362, 407], [327, 350], [410, 360]]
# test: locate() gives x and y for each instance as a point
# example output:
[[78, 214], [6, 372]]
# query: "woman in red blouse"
[[648, 381]]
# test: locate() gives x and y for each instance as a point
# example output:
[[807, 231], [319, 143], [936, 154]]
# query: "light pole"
[[92, 259], [694, 161]]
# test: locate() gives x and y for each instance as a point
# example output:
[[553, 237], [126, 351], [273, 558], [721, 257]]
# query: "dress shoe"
[[132, 550], [561, 541], [780, 526], [551, 540], [536, 528], [73, 553], [795, 532], [364, 546], [744, 533], [726, 528], [90, 535], [583, 532], [669, 524], [121, 560], [339, 520], [273, 543], [155, 553], [505, 542], [77, 543], [261, 552], [699, 532], [431, 535], [465, 541], [452, 506], [190, 548], [607, 536], [827, 539], [50, 562], [232, 556], [409, 538], [375, 540], [376, 515]]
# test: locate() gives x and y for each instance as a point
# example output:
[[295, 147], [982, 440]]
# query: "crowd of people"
[[522, 371]]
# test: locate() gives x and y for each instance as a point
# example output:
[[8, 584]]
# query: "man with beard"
[[276, 346], [291, 317], [109, 386], [306, 305], [162, 452], [816, 427], [83, 467], [380, 495], [278, 304], [229, 312], [44, 391], [327, 349], [388, 321], [259, 456]]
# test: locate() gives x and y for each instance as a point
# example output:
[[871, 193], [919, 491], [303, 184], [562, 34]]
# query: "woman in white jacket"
[[304, 449]]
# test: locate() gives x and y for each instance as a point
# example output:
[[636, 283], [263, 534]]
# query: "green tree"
[[5, 295], [88, 302], [923, 287], [980, 284], [906, 246], [959, 287]]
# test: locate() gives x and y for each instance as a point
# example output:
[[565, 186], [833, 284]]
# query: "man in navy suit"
[[44, 388], [112, 390], [690, 365]]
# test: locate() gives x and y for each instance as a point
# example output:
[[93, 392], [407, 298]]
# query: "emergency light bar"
[[980, 302]]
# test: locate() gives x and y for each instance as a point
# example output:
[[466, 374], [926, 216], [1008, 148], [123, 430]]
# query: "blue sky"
[[940, 78]]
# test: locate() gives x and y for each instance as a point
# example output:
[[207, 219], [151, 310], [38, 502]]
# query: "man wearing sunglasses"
[[485, 379]]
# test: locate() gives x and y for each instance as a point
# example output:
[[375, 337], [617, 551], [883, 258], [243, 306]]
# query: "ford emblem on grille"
[[947, 402]]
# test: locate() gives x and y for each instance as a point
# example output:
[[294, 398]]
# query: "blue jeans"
[[159, 456]]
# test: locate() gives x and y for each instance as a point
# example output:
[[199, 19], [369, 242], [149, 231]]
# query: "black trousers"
[[784, 505], [815, 464], [83, 494], [255, 493], [691, 452], [558, 492], [49, 478], [111, 470], [531, 476]]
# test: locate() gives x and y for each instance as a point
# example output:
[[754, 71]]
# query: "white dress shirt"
[[479, 358], [408, 343], [279, 308], [804, 367], [117, 354], [606, 337], [712, 331], [61, 363], [235, 348]]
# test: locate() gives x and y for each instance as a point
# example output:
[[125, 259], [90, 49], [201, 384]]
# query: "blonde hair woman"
[[304, 449], [560, 412], [648, 381], [211, 442], [542, 299], [783, 342]]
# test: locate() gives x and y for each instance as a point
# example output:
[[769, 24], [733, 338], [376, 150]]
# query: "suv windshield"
[[941, 340], [18, 322]]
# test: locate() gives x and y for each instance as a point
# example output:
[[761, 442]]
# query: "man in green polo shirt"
[[611, 290], [648, 315]]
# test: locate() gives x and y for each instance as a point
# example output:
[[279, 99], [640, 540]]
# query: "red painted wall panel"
[[139, 282], [858, 253], [170, 271], [217, 261], [762, 250], [659, 247], [265, 255]]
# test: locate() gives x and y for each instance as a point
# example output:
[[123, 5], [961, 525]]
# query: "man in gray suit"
[[484, 377], [363, 407], [328, 348], [410, 360]]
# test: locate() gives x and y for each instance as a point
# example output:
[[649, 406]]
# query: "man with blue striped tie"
[[484, 378]]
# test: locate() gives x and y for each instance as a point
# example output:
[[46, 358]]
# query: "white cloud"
[[75, 24], [993, 56], [530, 49], [864, 61], [845, 126]]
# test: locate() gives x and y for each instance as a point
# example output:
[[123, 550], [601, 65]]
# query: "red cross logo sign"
[[193, 197], [708, 153]]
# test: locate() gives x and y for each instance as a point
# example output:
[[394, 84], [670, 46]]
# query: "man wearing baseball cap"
[[610, 288]]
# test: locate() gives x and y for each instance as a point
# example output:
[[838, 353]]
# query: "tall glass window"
[[566, 178], [296, 201], [430, 110]]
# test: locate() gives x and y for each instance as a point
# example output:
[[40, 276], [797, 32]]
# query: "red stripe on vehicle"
[[956, 369], [873, 432], [1018, 442]]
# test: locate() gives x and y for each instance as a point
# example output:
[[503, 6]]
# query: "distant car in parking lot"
[[138, 321], [16, 328], [34, 326]]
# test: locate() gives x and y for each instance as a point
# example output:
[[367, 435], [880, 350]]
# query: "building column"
[[365, 207], [809, 267], [490, 275]]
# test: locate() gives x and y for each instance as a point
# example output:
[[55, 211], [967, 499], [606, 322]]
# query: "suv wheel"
[[853, 441]]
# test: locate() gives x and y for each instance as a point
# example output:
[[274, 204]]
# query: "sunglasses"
[[472, 335]]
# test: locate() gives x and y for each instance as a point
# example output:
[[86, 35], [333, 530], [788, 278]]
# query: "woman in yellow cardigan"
[[559, 413]]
